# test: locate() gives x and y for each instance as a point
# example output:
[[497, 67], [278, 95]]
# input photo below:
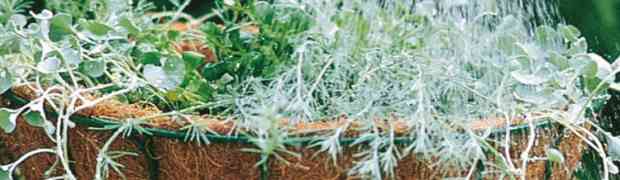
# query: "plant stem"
[[23, 158]]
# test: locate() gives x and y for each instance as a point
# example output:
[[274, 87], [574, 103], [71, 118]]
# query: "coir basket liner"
[[165, 155]]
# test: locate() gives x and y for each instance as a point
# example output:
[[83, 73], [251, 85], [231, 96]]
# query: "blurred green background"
[[599, 22]]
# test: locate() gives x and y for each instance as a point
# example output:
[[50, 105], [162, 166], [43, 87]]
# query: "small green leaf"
[[506, 44], [570, 33], [529, 50], [174, 34], [555, 155], [93, 69], [264, 12], [34, 119], [33, 29], [4, 175], [526, 78], [589, 69], [60, 26], [19, 20], [603, 67], [168, 77], [213, 72], [529, 95], [212, 30], [174, 65], [71, 56], [174, 95], [584, 65], [590, 83], [156, 76], [152, 57], [175, 70], [97, 28], [578, 47], [522, 62], [6, 81], [129, 26], [7, 120], [193, 59], [49, 65], [205, 90], [545, 34], [559, 61]]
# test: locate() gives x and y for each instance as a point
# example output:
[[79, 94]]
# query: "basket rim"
[[179, 134]]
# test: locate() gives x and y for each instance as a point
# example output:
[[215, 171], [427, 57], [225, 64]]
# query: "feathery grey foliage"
[[438, 65]]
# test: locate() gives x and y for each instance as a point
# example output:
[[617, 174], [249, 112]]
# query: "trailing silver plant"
[[58, 58], [440, 66]]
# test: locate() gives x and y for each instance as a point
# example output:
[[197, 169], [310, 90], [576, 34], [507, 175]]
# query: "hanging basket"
[[165, 154]]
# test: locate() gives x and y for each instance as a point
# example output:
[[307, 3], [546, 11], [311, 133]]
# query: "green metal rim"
[[216, 138]]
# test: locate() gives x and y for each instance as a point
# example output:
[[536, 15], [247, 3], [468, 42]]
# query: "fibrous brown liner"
[[570, 145], [85, 146], [313, 165], [183, 160], [24, 139]]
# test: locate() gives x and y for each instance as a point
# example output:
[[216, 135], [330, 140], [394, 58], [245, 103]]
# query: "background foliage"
[[599, 21]]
